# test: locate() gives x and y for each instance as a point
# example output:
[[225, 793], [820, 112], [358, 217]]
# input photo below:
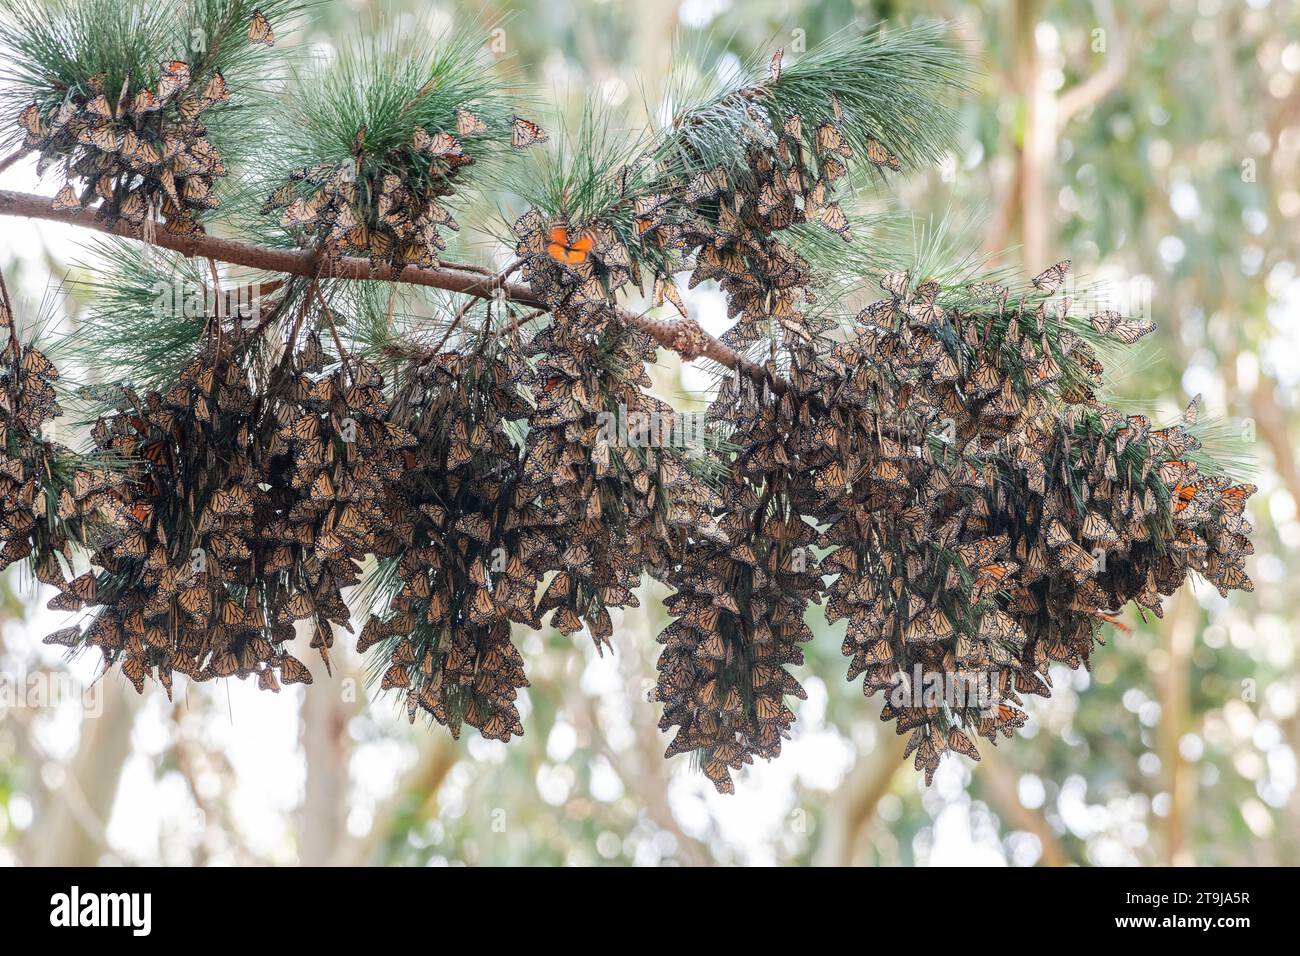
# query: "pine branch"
[[678, 335]]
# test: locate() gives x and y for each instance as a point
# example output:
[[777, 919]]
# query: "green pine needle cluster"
[[137, 327], [898, 86], [374, 94], [59, 48]]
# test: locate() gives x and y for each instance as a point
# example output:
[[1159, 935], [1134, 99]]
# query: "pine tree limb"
[[684, 336]]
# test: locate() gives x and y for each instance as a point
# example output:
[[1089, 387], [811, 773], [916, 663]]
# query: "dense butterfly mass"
[[400, 226], [936, 469], [247, 506], [141, 149], [993, 536], [386, 207], [29, 478], [462, 554]]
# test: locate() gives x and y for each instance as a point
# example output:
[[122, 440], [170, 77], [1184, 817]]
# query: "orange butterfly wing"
[[559, 248]]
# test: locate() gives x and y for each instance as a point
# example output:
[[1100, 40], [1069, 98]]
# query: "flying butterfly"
[[1110, 323], [441, 144]]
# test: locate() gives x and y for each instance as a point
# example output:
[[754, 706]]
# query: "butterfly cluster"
[[789, 176], [576, 269], [247, 504], [178, 588], [749, 573], [31, 473], [741, 591], [460, 551], [336, 454], [384, 207], [937, 471], [979, 534], [974, 533], [616, 497], [138, 150]]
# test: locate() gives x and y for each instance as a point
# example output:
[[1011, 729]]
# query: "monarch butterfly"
[[30, 120], [1234, 498], [139, 152], [259, 31], [132, 208], [1099, 529], [1114, 325], [526, 133], [568, 252], [1050, 279], [834, 219], [768, 709], [67, 198], [459, 454], [198, 192], [349, 231], [303, 212], [134, 669], [467, 124], [1184, 495], [293, 671], [266, 680], [83, 587], [99, 108], [476, 526], [482, 607], [958, 742], [889, 473], [175, 77], [104, 138], [1234, 577], [438, 144], [833, 169], [1044, 372], [501, 726], [895, 283], [706, 184], [404, 653], [774, 67], [64, 637], [196, 601], [216, 92], [168, 183], [880, 155], [990, 578], [830, 140], [144, 103], [224, 664], [381, 247]]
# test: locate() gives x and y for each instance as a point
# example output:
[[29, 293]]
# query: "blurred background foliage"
[[1157, 143]]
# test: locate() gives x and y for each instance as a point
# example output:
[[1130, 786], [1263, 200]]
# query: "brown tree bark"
[[70, 830], [680, 335]]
